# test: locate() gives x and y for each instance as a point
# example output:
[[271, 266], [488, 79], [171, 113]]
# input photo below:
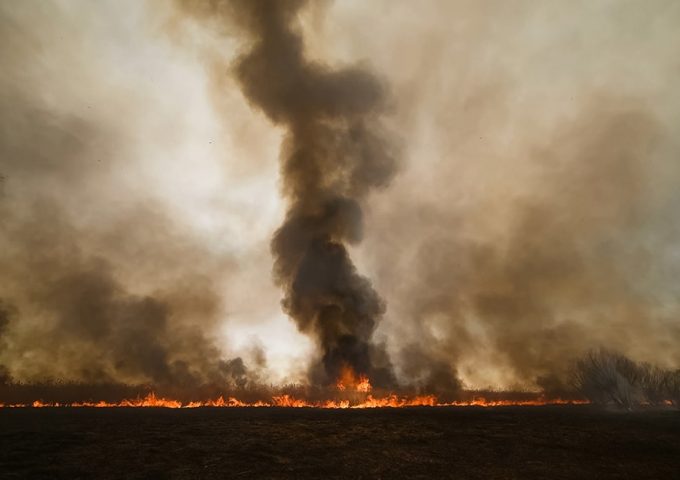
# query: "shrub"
[[605, 377]]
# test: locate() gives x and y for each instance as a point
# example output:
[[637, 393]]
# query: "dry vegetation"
[[605, 377]]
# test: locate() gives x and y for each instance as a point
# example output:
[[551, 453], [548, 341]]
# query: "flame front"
[[288, 401], [353, 391]]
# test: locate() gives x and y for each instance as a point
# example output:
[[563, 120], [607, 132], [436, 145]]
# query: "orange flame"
[[348, 379], [288, 401]]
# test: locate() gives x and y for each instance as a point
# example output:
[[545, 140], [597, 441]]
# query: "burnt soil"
[[494, 443]]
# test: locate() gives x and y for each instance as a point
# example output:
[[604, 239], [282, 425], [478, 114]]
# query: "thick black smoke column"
[[333, 155]]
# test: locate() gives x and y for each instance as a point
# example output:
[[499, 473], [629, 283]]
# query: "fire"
[[288, 401], [349, 380], [356, 392]]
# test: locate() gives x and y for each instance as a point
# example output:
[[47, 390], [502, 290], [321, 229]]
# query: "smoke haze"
[[102, 279], [159, 160]]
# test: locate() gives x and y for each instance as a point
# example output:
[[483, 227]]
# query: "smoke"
[[74, 319], [334, 153], [99, 281], [570, 252], [533, 219]]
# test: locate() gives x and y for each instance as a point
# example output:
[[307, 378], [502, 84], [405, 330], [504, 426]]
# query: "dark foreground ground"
[[499, 443]]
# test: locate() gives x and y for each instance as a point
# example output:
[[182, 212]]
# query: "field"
[[567, 442]]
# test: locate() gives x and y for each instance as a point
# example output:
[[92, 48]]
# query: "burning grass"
[[351, 391], [600, 378], [365, 400]]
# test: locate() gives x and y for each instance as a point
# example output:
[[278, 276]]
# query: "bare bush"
[[654, 383], [606, 377]]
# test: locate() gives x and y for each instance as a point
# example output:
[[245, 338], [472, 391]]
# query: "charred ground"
[[506, 442]]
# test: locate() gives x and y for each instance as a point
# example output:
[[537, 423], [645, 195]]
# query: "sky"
[[531, 214]]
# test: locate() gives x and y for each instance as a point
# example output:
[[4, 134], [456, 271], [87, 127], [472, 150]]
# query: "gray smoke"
[[97, 282], [535, 219]]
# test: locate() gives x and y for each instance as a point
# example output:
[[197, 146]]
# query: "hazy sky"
[[534, 214]]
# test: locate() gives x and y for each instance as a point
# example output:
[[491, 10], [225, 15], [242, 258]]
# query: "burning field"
[[285, 238], [360, 397]]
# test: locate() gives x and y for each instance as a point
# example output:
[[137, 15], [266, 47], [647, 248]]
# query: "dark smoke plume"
[[334, 153]]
